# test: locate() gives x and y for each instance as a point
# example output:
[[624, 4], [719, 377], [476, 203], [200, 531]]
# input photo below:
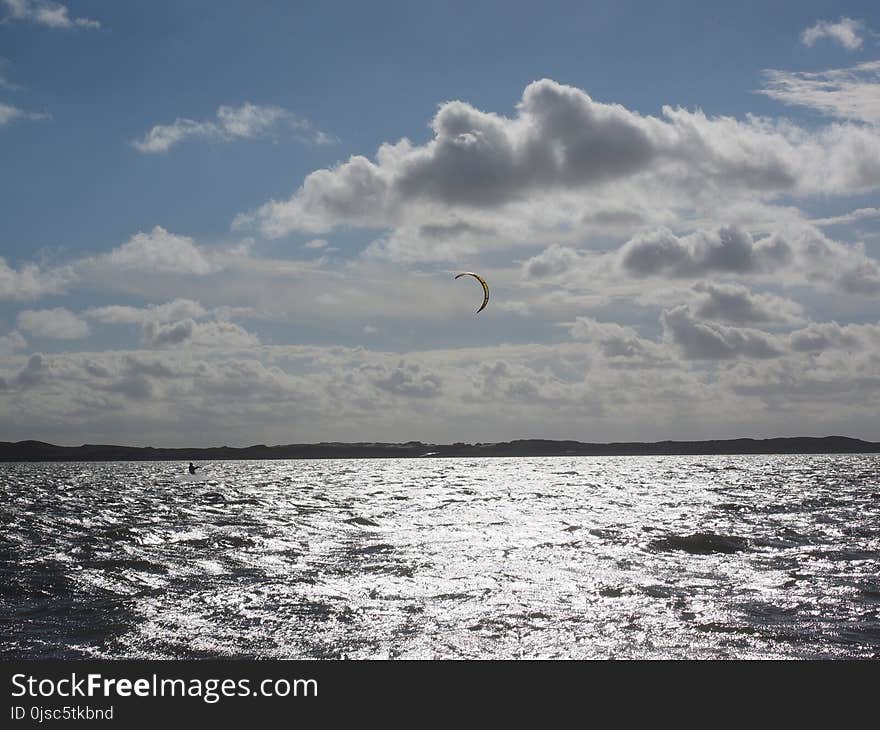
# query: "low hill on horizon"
[[40, 451]]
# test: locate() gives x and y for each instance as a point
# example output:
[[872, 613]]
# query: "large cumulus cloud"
[[562, 141]]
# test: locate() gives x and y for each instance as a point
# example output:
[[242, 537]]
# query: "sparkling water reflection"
[[582, 557]]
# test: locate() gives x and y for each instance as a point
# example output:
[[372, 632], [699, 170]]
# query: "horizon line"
[[23, 442]]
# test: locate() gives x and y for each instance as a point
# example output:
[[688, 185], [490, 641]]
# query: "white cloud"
[[851, 217], [322, 138], [687, 333], [9, 114], [249, 121], [34, 373], [118, 314], [799, 254], [408, 379], [48, 13], [699, 340], [158, 252], [146, 265], [31, 282], [58, 323], [189, 333], [173, 324], [846, 31], [702, 340], [822, 336], [846, 93], [619, 342], [735, 304], [825, 262], [163, 137], [12, 342], [552, 261], [729, 250], [526, 176]]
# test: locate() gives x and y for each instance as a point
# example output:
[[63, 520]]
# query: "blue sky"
[[718, 258]]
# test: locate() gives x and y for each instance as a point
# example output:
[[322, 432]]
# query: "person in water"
[[192, 468]]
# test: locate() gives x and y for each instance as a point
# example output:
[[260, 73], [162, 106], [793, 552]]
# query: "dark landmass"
[[39, 451]]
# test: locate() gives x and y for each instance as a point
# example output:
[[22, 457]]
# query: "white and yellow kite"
[[484, 285]]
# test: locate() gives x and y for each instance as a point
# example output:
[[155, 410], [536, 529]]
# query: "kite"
[[484, 285]]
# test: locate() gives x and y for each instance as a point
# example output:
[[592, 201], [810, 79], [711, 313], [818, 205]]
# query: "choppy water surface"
[[624, 557]]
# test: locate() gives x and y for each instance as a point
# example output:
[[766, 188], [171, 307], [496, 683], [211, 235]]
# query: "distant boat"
[[430, 453]]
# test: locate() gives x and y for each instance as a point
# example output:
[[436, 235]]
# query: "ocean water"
[[675, 557]]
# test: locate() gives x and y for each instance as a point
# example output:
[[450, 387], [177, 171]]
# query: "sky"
[[239, 223]]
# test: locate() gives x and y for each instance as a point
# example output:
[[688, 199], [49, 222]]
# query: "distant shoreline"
[[39, 451]]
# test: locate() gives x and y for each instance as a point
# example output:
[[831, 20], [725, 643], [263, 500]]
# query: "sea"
[[654, 557]]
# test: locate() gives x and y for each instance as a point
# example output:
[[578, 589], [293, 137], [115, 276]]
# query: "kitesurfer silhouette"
[[192, 468]]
